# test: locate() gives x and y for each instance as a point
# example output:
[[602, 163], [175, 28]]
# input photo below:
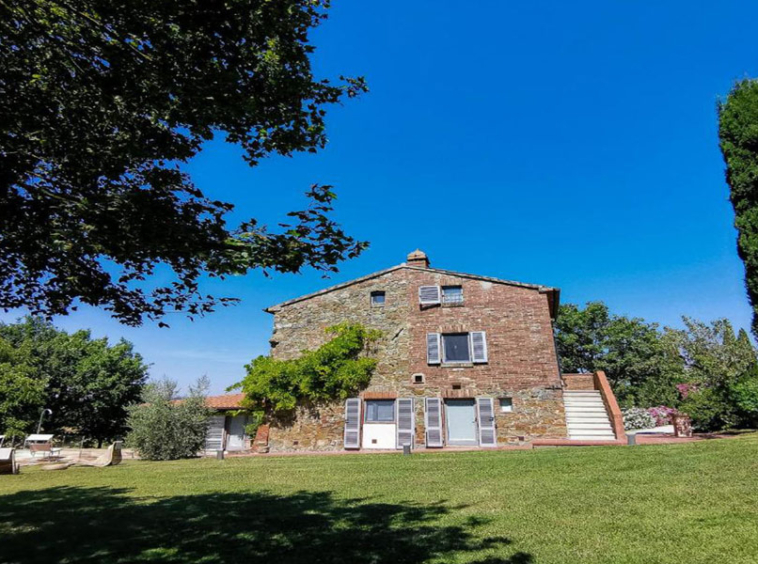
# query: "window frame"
[[505, 408], [443, 356], [448, 301], [375, 294], [366, 410]]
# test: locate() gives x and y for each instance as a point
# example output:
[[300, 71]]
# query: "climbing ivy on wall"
[[336, 370]]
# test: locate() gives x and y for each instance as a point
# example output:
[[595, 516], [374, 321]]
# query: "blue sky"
[[567, 144]]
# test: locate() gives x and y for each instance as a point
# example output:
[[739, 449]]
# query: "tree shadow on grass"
[[72, 524]]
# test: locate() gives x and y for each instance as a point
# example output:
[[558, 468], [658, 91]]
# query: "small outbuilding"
[[226, 430]]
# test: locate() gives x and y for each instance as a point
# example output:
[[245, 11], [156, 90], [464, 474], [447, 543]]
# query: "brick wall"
[[522, 360], [579, 382]]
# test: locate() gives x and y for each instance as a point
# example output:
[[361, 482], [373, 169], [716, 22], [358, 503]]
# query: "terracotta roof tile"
[[228, 401]]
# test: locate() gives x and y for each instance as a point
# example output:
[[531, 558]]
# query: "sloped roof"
[[227, 401], [554, 292]]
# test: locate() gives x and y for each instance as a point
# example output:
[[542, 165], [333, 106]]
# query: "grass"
[[686, 503]]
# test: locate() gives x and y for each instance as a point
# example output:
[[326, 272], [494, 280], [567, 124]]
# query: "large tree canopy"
[[642, 365], [738, 132], [102, 101], [87, 383]]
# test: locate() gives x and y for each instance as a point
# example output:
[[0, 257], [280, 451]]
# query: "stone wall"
[[522, 361], [301, 326]]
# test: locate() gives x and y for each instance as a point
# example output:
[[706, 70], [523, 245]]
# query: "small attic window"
[[377, 299], [452, 294], [506, 404], [418, 378]]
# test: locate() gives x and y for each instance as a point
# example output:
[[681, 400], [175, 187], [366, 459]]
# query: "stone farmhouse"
[[464, 361]]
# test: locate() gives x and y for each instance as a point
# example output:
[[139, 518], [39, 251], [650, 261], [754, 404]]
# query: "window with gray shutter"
[[406, 422], [432, 348], [485, 409], [428, 295], [433, 422], [479, 346], [353, 423], [214, 434]]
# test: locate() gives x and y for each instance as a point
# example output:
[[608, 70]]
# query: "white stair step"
[[586, 416], [581, 427], [597, 421], [589, 432]]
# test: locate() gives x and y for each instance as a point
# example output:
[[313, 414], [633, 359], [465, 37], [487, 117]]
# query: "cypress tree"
[[738, 134]]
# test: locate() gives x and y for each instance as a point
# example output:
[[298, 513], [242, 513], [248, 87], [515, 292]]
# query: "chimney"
[[418, 258]]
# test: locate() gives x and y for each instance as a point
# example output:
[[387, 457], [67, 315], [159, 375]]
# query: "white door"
[[461, 422], [235, 439]]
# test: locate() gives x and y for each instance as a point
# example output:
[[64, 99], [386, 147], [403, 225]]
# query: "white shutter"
[[353, 423], [433, 421], [432, 348], [214, 434], [406, 422], [428, 295], [485, 410], [479, 346]]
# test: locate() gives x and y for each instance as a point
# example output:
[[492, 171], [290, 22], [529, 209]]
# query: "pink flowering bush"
[[662, 415]]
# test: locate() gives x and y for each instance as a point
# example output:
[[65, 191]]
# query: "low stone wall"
[[312, 428]]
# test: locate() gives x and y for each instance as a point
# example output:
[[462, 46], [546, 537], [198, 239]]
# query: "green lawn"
[[684, 503]]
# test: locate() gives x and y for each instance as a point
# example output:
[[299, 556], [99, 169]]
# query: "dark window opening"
[[380, 411], [455, 347], [457, 386], [418, 378], [377, 298]]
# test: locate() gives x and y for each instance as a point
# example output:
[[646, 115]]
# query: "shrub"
[[709, 409], [165, 427], [662, 415], [746, 397], [637, 418]]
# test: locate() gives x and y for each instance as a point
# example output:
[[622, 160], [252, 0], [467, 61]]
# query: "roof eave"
[[274, 308]]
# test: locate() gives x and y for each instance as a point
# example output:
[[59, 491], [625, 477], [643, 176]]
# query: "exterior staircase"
[[586, 417]]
